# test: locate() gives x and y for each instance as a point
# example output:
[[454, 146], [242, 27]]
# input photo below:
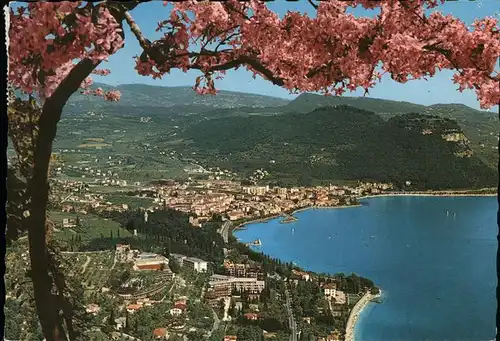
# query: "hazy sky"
[[439, 89]]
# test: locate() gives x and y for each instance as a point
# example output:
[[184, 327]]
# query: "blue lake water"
[[437, 271]]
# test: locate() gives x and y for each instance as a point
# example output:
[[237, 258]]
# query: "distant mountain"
[[139, 95], [343, 143], [482, 127], [307, 102], [145, 100]]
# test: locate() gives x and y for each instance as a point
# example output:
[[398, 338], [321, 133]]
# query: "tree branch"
[[230, 7], [143, 42], [313, 4]]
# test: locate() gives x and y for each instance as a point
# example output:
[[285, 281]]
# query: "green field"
[[91, 227], [132, 201]]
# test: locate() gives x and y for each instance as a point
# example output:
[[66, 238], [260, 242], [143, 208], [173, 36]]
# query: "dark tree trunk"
[[47, 306], [47, 309]]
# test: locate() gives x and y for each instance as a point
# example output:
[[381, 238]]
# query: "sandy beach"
[[354, 315]]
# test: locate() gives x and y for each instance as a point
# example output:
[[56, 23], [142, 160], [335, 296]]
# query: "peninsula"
[[368, 297]]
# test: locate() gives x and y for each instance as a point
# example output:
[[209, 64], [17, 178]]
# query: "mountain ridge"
[[343, 143], [482, 127], [135, 94]]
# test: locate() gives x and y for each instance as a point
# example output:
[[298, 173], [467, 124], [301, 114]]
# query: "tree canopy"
[[332, 52]]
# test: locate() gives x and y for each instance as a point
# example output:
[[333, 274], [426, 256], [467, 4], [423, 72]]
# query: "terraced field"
[[91, 268]]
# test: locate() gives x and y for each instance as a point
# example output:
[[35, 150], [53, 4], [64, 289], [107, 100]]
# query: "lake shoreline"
[[430, 194], [392, 194], [356, 311], [274, 216], [358, 320]]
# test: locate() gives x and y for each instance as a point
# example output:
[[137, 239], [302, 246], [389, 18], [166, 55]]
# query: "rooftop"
[[194, 259]]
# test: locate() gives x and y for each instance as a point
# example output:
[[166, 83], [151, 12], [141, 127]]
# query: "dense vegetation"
[[342, 143], [161, 147], [165, 231], [481, 127]]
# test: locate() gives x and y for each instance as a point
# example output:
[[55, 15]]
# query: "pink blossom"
[[101, 72], [99, 92], [86, 83], [332, 52], [112, 95]]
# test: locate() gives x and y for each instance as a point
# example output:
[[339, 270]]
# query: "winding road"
[[215, 326], [84, 267], [291, 320], [224, 231]]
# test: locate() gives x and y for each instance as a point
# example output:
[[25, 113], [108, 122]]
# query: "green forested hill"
[[312, 136], [343, 143], [308, 102], [481, 127], [145, 100]]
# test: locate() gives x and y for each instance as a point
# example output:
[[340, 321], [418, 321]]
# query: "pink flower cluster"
[[101, 72], [48, 38], [333, 52], [336, 51], [111, 95]]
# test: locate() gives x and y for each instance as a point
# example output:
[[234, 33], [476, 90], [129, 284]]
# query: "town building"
[[235, 215], [329, 290], [331, 293], [251, 316], [132, 308], [150, 261], [120, 323], [301, 275], [178, 309], [222, 286], [198, 265], [161, 333], [92, 309], [242, 270], [178, 258]]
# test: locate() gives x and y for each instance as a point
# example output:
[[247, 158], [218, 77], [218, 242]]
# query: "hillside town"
[[203, 199], [140, 294]]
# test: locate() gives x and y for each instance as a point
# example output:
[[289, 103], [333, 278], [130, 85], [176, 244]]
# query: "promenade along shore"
[[429, 194], [354, 315], [242, 225]]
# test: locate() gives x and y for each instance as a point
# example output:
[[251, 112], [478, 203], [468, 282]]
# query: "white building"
[[196, 264], [330, 290], [120, 323], [176, 311]]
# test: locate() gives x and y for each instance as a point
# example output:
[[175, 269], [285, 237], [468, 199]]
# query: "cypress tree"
[[112, 317]]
